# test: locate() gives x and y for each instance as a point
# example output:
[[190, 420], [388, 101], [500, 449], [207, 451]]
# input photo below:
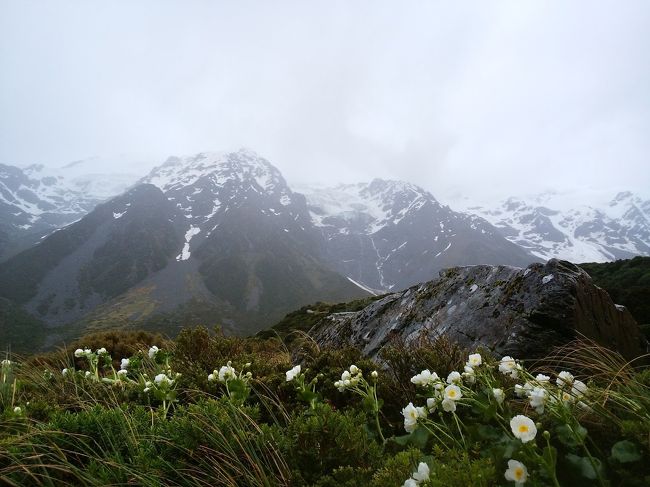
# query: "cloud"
[[481, 99]]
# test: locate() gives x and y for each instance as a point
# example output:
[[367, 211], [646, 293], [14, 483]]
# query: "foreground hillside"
[[132, 408]]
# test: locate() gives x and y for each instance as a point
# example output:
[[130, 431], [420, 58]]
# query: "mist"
[[476, 99]]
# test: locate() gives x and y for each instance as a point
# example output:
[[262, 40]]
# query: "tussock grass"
[[76, 431]]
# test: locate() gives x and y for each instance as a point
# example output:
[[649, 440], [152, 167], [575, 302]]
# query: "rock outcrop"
[[511, 311]]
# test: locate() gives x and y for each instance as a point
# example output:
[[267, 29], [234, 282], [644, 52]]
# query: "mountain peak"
[[220, 167]]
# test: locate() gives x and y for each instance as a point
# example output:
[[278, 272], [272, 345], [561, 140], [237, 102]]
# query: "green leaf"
[[510, 447], [585, 466], [487, 432], [239, 390], [418, 438], [626, 452], [490, 412], [570, 437], [368, 404], [307, 395]]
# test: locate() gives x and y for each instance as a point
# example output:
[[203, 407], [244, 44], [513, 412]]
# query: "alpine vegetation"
[[208, 409]]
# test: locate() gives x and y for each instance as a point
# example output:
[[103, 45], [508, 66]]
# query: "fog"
[[486, 99]]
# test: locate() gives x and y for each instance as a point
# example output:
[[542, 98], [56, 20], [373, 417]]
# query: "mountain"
[[557, 225], [35, 200], [216, 236], [388, 235], [97, 258]]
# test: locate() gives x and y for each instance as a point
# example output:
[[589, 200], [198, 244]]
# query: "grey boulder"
[[511, 311]]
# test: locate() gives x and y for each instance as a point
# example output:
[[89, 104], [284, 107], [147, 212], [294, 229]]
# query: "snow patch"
[[361, 286], [185, 253], [547, 279]]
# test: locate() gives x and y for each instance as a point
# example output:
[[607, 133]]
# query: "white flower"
[[475, 360], [541, 378], [153, 351], [422, 475], [523, 428], [87, 374], [146, 389], [293, 373], [411, 415], [226, 372], [339, 385], [508, 366], [122, 372], [564, 378], [566, 396], [354, 369], [345, 375], [432, 404], [374, 374], [425, 378], [453, 377], [64, 372], [516, 472], [162, 379], [211, 377], [87, 351], [410, 483], [18, 410], [6, 363], [78, 353], [453, 392], [124, 364], [101, 351], [523, 391], [469, 374], [538, 398], [449, 405], [148, 384], [498, 395], [347, 382], [579, 388]]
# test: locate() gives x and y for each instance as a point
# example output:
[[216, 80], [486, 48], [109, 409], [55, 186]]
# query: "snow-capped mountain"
[[212, 238], [36, 200], [222, 238], [560, 225], [207, 186], [392, 234]]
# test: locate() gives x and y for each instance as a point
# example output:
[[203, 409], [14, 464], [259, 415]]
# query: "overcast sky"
[[487, 99]]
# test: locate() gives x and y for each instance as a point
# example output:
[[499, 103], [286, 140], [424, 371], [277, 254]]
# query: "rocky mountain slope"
[[221, 232], [509, 310], [557, 225], [388, 235], [35, 201]]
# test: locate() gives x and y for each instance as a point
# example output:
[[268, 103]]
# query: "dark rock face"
[[511, 311]]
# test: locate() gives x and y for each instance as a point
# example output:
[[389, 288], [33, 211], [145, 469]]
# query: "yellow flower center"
[[452, 393], [519, 473], [414, 414], [523, 428]]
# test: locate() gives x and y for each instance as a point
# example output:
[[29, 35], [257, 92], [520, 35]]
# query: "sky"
[[482, 99]]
